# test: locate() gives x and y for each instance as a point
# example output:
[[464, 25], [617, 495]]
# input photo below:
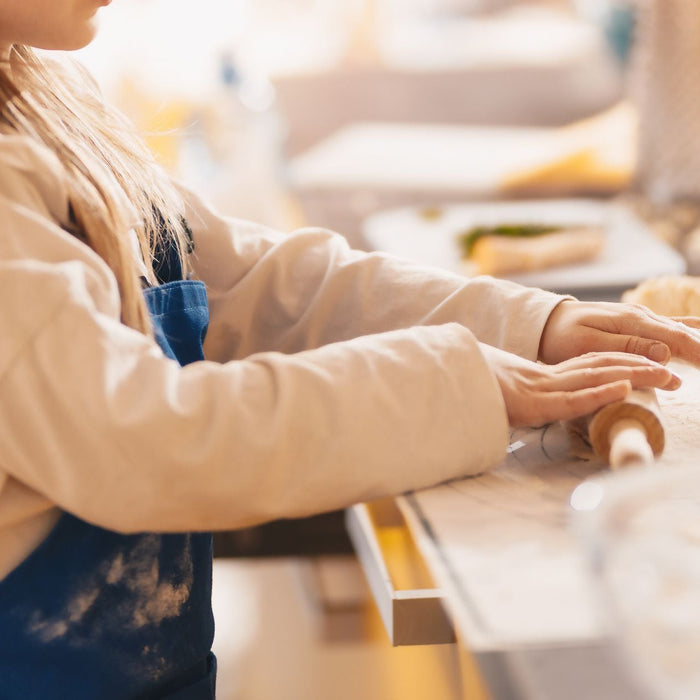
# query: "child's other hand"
[[575, 328], [536, 393]]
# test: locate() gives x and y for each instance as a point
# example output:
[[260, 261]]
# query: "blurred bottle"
[[231, 151], [664, 87]]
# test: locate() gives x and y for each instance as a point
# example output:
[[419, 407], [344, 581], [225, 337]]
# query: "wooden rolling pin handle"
[[629, 445], [628, 431]]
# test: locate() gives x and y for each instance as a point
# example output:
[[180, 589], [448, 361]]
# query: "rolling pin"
[[628, 432]]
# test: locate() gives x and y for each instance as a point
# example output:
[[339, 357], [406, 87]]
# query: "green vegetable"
[[468, 239]]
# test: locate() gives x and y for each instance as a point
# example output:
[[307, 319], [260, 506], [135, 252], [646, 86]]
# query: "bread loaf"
[[674, 295]]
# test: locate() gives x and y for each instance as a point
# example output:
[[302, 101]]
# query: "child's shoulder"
[[23, 155], [31, 174]]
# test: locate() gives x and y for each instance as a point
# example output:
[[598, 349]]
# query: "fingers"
[[690, 321], [658, 337], [581, 386], [574, 328], [638, 330], [678, 333], [604, 359], [562, 405], [536, 393], [656, 345], [641, 375], [570, 405]]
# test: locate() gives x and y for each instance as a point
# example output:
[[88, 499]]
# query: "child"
[[331, 376]]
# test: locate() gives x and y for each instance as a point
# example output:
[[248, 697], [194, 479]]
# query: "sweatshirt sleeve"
[[302, 290], [95, 417]]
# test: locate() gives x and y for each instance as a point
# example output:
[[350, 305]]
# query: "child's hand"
[[536, 393], [575, 328]]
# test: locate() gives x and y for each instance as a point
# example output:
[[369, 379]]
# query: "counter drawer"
[[410, 605]]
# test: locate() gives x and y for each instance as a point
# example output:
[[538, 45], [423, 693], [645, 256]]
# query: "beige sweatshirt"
[[332, 376]]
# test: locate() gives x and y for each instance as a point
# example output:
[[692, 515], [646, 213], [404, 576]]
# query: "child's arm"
[[270, 291], [94, 417], [292, 292], [98, 421]]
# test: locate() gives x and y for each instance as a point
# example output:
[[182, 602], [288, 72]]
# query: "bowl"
[[641, 533]]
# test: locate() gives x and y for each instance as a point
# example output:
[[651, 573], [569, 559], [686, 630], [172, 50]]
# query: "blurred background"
[[337, 112], [241, 98]]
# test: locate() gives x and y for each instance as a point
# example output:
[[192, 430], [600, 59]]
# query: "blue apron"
[[96, 615]]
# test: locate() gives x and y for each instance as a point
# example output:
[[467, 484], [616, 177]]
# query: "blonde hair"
[[114, 184]]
